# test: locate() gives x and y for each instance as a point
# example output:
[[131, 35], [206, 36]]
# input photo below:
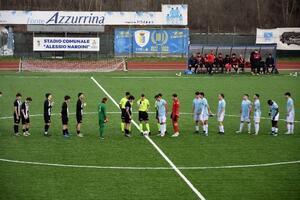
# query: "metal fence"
[[23, 44]]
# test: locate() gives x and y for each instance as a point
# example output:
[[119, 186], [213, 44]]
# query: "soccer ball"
[[146, 133]]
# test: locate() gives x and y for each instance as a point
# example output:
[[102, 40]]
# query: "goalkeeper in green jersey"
[[102, 116]]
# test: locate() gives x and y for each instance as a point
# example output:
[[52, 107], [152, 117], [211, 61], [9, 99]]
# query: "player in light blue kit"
[[245, 111], [274, 114], [197, 110], [162, 109], [257, 113], [221, 112], [205, 113], [290, 115]]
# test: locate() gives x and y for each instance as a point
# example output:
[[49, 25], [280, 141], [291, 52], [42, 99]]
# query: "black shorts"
[[127, 120], [47, 119], [64, 120], [79, 118], [25, 121], [123, 113], [143, 116], [16, 121]]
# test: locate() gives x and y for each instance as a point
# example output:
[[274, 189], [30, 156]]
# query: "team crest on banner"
[[142, 37]]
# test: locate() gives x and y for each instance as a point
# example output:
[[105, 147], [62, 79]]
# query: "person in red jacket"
[[256, 61], [210, 61], [175, 115]]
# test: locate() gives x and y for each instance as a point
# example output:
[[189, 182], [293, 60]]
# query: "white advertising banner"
[[170, 15], [285, 38], [65, 44]]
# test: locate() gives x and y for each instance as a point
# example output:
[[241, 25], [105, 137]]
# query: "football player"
[[290, 115], [25, 116]]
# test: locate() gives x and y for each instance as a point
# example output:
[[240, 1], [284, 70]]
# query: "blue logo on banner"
[[268, 36]]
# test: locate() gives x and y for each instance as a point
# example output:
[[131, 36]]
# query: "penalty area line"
[[192, 187]]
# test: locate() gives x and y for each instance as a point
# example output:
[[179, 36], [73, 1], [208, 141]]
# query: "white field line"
[[195, 190], [90, 113], [149, 168]]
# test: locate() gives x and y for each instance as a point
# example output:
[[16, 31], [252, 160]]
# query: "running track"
[[282, 65]]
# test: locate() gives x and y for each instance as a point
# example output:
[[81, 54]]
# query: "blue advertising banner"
[[168, 41]]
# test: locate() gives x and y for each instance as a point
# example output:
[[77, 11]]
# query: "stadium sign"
[[285, 38], [65, 44], [170, 15]]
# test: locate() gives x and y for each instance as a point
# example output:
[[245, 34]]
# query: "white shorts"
[[256, 119], [221, 117], [245, 118], [290, 118], [196, 117], [276, 118], [203, 117], [162, 119]]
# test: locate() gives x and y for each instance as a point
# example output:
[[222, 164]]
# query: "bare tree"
[[288, 7]]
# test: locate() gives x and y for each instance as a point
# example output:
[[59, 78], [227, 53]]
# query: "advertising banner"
[[170, 15], [285, 38], [65, 44], [6, 41], [169, 41]]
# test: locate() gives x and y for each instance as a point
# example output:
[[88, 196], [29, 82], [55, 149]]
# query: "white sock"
[[288, 126], [222, 129], [206, 128], [276, 130], [197, 128], [273, 129], [241, 127], [256, 127], [292, 128], [249, 127]]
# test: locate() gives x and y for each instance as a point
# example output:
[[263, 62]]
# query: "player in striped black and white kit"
[[17, 113], [48, 103], [274, 114], [25, 116]]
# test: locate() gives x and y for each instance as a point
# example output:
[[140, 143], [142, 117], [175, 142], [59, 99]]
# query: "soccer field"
[[229, 167]]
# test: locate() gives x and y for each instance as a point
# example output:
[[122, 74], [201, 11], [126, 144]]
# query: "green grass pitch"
[[35, 182]]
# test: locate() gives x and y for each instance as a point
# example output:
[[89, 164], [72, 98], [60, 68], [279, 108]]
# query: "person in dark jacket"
[[219, 62], [270, 64], [192, 62], [241, 63]]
